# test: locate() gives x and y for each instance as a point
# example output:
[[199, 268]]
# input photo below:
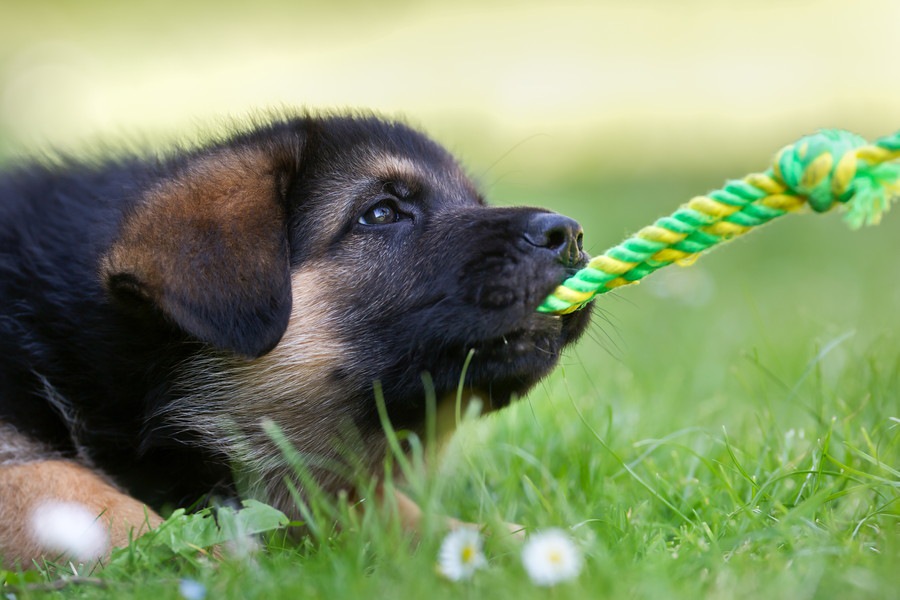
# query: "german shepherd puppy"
[[155, 311]]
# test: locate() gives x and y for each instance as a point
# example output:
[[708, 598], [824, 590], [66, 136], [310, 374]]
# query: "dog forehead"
[[444, 177]]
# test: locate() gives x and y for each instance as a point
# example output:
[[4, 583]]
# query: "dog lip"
[[526, 339], [578, 265], [570, 270]]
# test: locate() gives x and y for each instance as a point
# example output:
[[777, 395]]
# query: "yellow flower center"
[[554, 557], [468, 553]]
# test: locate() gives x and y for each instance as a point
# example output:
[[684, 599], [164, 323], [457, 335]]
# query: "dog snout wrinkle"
[[557, 233]]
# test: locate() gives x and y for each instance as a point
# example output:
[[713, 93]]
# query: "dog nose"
[[558, 234]]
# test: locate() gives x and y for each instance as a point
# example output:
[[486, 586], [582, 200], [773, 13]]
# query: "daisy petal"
[[550, 557], [461, 554]]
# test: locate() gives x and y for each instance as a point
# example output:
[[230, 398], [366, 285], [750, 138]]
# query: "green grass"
[[731, 430]]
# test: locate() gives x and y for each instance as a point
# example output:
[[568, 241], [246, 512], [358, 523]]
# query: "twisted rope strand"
[[823, 170]]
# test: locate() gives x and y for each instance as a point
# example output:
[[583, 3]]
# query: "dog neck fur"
[[229, 398]]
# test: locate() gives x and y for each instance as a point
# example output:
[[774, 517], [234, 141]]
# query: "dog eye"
[[381, 214]]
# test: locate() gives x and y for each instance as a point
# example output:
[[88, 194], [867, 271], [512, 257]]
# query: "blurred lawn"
[[613, 113], [624, 86]]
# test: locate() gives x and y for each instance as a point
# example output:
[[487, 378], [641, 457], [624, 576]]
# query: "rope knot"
[[820, 167]]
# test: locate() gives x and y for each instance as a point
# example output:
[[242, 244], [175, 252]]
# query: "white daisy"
[[460, 554], [551, 557], [69, 528]]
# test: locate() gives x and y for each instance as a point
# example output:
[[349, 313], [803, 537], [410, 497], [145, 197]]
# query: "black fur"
[[90, 350]]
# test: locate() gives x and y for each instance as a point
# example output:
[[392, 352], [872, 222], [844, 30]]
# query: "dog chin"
[[508, 366]]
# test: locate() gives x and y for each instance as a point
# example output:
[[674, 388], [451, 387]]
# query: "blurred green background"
[[538, 87], [612, 112]]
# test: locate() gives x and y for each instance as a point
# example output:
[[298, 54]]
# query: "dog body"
[[155, 313]]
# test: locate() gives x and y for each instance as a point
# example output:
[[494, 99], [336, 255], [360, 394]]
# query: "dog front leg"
[[410, 516], [40, 499]]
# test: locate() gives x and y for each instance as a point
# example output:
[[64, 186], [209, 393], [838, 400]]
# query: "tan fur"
[[232, 198], [400, 168], [290, 386], [410, 515], [446, 420], [25, 486]]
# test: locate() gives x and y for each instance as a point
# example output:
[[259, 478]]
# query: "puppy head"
[[420, 273], [317, 256]]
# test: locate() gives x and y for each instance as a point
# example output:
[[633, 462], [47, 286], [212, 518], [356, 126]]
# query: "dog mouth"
[[512, 347], [537, 335], [520, 343], [484, 335], [508, 366]]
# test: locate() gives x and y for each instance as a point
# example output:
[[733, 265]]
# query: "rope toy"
[[826, 169]]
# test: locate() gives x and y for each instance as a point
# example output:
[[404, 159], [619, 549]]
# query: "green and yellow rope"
[[823, 170]]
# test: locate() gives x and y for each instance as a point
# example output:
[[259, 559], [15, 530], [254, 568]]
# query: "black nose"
[[558, 234]]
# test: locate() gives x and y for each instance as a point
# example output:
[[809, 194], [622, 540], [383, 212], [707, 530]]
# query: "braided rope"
[[829, 168]]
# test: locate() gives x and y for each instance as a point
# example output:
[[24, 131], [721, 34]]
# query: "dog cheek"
[[493, 296], [227, 398]]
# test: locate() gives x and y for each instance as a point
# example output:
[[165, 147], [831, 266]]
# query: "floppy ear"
[[207, 247]]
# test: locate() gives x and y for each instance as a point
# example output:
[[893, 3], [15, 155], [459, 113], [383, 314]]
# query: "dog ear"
[[208, 248]]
